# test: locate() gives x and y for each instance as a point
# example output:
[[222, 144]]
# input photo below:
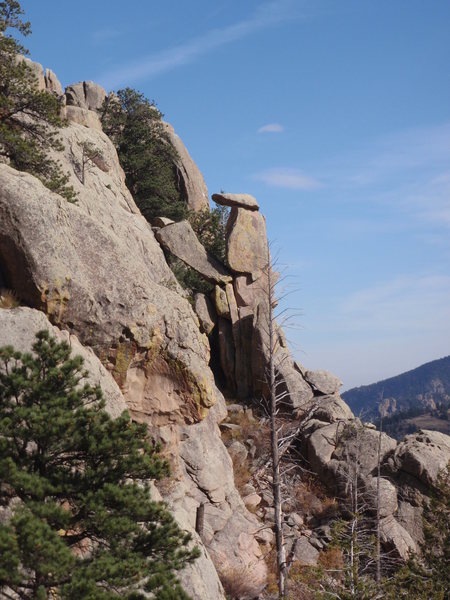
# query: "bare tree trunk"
[[276, 485], [378, 529]]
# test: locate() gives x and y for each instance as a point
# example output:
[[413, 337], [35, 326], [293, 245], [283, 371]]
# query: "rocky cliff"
[[95, 274]]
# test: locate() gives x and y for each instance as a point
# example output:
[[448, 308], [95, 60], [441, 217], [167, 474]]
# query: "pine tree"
[[29, 117], [134, 124], [75, 480]]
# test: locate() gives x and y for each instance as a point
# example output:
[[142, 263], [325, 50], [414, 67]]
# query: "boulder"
[[359, 444], [180, 240], [423, 455], [304, 552], [192, 185], [331, 408], [388, 496], [396, 539], [236, 200], [221, 302], [205, 312], [247, 248], [320, 447], [86, 94], [323, 382]]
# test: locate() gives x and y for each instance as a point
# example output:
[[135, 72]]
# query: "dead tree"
[[274, 402]]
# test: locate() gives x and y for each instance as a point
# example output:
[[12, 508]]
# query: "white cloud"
[[287, 178], [267, 15], [271, 128]]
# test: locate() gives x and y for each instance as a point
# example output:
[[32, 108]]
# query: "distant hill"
[[422, 391]]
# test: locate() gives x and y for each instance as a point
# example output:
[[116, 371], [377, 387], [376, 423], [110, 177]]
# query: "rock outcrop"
[[95, 275], [96, 270]]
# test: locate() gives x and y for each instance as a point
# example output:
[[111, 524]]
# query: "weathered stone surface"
[[423, 455], [237, 200], [388, 496], [161, 221], [295, 390], [36, 69], [18, 328], [247, 248], [331, 409], [323, 382], [304, 552], [395, 538], [82, 116], [221, 302], [62, 257], [229, 528], [237, 451], [227, 351], [180, 240], [252, 501], [321, 445], [193, 186], [86, 94], [357, 443], [52, 83], [205, 312]]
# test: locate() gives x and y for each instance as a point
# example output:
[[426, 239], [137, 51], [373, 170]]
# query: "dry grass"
[[239, 582], [332, 559], [242, 475], [8, 299], [250, 428]]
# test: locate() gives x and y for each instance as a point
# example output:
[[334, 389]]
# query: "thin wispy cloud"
[[267, 15], [103, 36], [292, 179], [271, 128]]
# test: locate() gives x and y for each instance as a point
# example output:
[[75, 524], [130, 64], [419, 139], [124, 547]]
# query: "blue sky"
[[335, 115]]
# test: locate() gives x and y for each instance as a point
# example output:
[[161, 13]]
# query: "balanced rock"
[[180, 240], [238, 200]]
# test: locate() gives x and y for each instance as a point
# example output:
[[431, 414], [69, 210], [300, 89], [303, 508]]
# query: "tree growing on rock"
[[75, 485], [29, 117], [135, 126]]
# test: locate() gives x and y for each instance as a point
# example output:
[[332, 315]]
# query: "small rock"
[[252, 500], [237, 451], [296, 520], [235, 408], [248, 489], [265, 536]]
